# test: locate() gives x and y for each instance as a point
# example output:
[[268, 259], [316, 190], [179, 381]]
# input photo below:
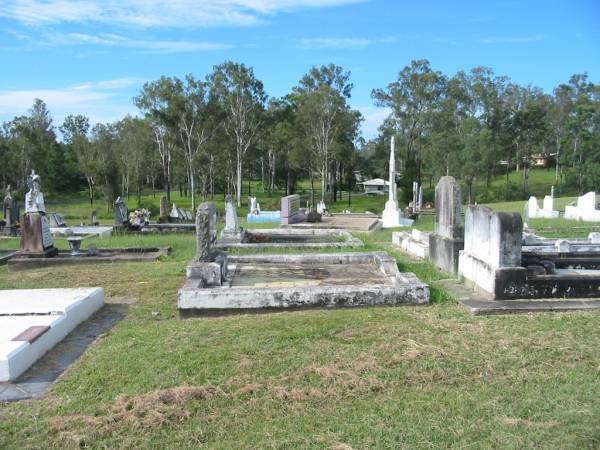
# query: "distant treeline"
[[204, 136]]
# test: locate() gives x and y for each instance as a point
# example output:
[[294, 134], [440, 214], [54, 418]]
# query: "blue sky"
[[92, 56]]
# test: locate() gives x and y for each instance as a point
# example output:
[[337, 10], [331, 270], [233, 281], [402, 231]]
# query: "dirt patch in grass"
[[138, 411], [513, 422]]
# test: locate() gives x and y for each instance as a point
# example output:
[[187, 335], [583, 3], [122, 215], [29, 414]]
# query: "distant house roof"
[[375, 182]]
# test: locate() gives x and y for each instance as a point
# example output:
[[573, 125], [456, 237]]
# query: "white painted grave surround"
[[585, 209], [60, 309], [391, 213]]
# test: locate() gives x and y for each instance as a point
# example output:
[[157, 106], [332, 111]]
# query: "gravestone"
[[94, 219], [447, 240], [56, 221], [209, 265], [491, 258], [121, 212], [290, 210], [584, 210], [36, 239], [174, 214], [232, 231], [11, 214], [164, 210]]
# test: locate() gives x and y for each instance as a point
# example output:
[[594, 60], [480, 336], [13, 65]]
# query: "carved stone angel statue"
[[34, 199]]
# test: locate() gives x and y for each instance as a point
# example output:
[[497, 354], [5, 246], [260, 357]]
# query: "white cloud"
[[115, 40], [341, 42], [155, 13], [101, 101], [315, 43], [373, 118], [513, 39]]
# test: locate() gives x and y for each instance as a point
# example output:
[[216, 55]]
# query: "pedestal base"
[[443, 252], [391, 215]]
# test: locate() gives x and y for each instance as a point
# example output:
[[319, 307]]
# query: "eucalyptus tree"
[[75, 129], [153, 100], [414, 98], [324, 114], [135, 140], [104, 139], [241, 95]]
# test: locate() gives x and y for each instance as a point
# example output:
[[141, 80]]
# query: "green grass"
[[405, 377]]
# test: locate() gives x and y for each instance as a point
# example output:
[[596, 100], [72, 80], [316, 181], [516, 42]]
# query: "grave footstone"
[[447, 240]]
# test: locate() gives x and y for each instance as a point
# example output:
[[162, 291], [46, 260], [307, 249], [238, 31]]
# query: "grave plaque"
[[46, 234]]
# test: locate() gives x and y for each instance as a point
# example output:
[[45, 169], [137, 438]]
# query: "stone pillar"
[[232, 231], [164, 210], [447, 240], [209, 266], [203, 233]]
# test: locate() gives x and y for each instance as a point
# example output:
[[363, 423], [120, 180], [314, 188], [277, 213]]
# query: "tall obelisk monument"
[[391, 214]]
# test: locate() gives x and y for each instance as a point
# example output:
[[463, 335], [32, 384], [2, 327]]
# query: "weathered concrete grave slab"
[[351, 222], [308, 280], [298, 238], [220, 282], [89, 256], [32, 321]]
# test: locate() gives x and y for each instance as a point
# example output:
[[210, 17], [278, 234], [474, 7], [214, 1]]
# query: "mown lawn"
[[405, 377]]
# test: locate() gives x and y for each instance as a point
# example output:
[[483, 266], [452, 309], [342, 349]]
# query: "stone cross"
[[447, 209], [206, 230]]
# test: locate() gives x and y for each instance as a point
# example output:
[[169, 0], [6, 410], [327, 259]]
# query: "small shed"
[[375, 186]]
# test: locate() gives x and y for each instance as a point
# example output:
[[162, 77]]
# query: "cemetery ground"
[[398, 377]]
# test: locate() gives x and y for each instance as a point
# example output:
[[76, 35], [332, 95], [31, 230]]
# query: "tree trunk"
[[193, 189], [239, 179]]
